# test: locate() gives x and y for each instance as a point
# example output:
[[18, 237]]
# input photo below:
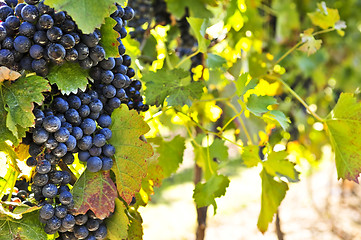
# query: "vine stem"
[[300, 100], [185, 59], [298, 44], [242, 122]]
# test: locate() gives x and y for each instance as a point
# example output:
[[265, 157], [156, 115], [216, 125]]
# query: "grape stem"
[[286, 85], [186, 58], [298, 98]]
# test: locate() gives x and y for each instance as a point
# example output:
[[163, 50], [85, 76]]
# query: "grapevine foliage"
[[71, 106]]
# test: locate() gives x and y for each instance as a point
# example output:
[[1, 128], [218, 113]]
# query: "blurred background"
[[252, 33]]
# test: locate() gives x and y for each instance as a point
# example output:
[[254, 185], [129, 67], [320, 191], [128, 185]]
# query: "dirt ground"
[[319, 207]]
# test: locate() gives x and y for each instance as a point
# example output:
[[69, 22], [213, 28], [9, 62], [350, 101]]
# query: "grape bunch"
[[161, 14], [34, 37], [143, 14], [188, 42]]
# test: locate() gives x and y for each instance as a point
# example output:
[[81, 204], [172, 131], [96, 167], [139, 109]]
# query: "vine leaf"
[[207, 158], [5, 133], [273, 193], [204, 194], [277, 165], [174, 85], [109, 38], [250, 155], [258, 105], [130, 165], [88, 14], [344, 130], [324, 17], [170, 154], [96, 192], [310, 44], [117, 224], [19, 97], [199, 28], [27, 228], [215, 61], [69, 77], [196, 7], [243, 85], [135, 230]]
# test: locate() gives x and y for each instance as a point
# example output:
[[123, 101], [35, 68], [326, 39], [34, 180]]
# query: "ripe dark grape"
[[65, 197], [51, 123], [68, 221], [56, 52], [36, 51], [47, 211], [43, 167], [12, 22], [30, 13], [49, 190], [94, 164], [54, 34], [46, 22]]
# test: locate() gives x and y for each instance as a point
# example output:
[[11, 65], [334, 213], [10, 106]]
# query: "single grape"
[[68, 221], [81, 232], [49, 190], [65, 197], [40, 179], [43, 166], [94, 164], [46, 21], [81, 219], [107, 163], [47, 211], [30, 13]]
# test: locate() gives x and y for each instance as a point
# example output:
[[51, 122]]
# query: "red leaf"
[[96, 192]]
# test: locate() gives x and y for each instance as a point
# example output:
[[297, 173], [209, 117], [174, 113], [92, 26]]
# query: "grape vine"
[[97, 144]]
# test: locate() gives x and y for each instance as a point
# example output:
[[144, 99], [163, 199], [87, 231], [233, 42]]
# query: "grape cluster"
[[143, 14], [161, 14], [188, 42], [34, 37]]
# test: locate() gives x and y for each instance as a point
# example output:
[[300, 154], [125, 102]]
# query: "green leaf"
[[171, 155], [278, 165], [117, 224], [273, 193], [96, 192], [88, 14], [215, 61], [310, 44], [207, 158], [199, 28], [344, 130], [277, 117], [243, 85], [250, 156], [27, 228], [196, 8], [205, 193], [173, 85], [109, 38], [130, 165], [69, 77], [324, 17], [258, 105], [218, 150], [19, 97], [5, 133], [135, 230]]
